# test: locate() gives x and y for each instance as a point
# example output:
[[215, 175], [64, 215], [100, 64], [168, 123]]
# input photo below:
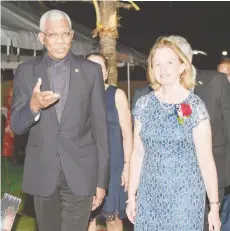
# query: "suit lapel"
[[41, 72], [75, 72]]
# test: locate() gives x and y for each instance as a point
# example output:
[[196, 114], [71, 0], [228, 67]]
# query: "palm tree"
[[107, 29]]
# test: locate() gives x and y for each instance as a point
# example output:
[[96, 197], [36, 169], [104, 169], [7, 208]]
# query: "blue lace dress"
[[171, 192]]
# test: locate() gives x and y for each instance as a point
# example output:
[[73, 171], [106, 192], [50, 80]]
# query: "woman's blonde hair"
[[187, 77]]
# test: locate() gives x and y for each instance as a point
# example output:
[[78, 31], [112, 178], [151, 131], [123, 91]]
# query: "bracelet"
[[130, 200], [214, 203]]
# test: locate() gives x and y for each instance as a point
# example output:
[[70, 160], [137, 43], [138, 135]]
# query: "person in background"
[[8, 135], [224, 67], [120, 148]]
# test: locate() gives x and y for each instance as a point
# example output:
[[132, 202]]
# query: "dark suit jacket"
[[225, 214], [79, 142], [214, 89]]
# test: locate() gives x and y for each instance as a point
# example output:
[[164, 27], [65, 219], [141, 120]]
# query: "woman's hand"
[[214, 218], [131, 210], [125, 179]]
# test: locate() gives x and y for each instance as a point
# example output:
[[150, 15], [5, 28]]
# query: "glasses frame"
[[58, 34]]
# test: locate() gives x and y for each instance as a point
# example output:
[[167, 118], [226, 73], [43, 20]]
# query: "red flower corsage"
[[183, 111]]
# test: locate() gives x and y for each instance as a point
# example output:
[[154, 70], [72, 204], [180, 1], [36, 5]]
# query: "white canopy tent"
[[19, 28], [20, 25]]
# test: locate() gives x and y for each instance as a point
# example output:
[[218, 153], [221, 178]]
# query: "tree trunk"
[[108, 37]]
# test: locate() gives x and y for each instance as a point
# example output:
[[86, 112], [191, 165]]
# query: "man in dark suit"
[[214, 89], [60, 99]]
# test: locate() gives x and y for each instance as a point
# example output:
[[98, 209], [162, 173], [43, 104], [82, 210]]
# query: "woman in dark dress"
[[120, 143]]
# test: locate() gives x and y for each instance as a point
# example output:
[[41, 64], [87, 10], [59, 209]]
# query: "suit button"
[[59, 131]]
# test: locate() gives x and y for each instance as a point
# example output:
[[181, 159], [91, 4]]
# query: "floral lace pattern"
[[171, 193]]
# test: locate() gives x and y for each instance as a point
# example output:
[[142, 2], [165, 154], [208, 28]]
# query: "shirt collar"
[[51, 62]]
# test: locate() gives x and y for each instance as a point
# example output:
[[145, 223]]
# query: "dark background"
[[206, 25]]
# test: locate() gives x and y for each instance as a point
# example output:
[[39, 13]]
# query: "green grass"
[[11, 182], [24, 223]]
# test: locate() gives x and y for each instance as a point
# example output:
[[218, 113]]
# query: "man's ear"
[[41, 37]]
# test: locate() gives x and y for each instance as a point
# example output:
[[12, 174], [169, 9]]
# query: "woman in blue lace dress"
[[120, 148], [172, 165]]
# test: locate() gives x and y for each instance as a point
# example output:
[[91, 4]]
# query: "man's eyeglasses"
[[54, 36]]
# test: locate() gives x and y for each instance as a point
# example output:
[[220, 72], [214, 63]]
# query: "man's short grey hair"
[[53, 15], [183, 44]]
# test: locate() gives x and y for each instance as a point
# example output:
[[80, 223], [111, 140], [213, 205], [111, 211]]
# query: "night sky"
[[206, 25]]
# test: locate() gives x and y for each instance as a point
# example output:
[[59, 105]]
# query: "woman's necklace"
[[168, 107]]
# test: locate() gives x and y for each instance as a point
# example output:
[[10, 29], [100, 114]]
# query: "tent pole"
[[128, 80]]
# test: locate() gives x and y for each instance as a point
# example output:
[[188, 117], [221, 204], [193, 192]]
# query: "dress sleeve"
[[139, 106], [200, 112]]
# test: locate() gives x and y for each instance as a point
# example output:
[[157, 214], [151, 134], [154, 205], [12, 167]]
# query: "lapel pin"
[[76, 70], [200, 82]]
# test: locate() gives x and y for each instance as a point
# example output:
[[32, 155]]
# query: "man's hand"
[[42, 99], [97, 200], [9, 130]]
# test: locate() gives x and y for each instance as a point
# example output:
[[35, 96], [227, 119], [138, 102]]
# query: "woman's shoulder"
[[195, 99], [141, 105], [144, 99], [120, 94], [198, 106], [118, 90]]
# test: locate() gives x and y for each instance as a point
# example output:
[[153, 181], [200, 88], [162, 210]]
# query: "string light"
[[196, 52], [224, 53]]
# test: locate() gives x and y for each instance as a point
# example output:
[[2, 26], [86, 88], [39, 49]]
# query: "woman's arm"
[[203, 143], [125, 121], [135, 171], [136, 161]]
